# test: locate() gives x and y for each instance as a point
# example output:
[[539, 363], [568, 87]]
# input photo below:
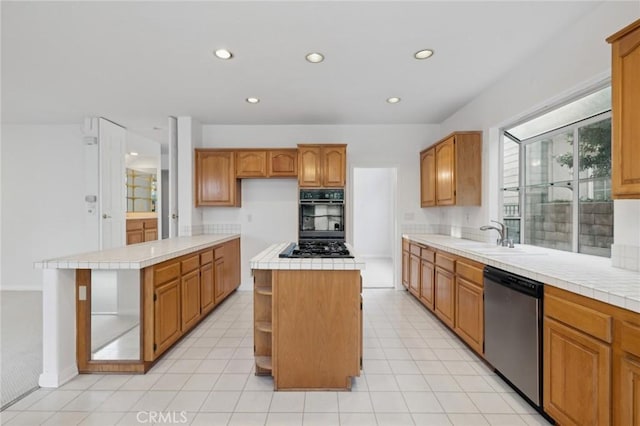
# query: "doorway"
[[373, 223]]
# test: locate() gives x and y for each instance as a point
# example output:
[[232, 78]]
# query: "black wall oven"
[[321, 215]]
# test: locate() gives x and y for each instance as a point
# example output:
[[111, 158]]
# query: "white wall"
[[574, 61], [373, 211], [44, 215], [269, 207]]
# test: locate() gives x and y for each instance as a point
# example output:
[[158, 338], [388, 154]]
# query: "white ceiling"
[[137, 63]]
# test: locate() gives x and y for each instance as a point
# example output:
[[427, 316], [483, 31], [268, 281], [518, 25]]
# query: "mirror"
[[141, 191]]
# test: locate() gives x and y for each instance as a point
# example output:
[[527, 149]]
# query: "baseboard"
[[51, 380]]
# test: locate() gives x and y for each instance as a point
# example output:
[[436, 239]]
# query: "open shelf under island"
[[307, 320]]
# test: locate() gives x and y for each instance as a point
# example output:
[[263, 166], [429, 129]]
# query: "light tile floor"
[[415, 372]]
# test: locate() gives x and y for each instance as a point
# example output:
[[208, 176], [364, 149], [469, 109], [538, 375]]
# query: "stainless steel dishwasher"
[[513, 330]]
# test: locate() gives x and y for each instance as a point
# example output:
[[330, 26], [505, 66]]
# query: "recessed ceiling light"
[[133, 153], [252, 100], [223, 54], [423, 54], [315, 57], [393, 100]]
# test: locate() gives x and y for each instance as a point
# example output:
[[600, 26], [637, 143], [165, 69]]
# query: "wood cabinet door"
[[282, 163], [405, 268], [136, 236], [629, 404], [444, 296], [334, 166], [151, 234], [166, 315], [216, 183], [426, 283], [218, 280], [428, 178], [577, 376], [445, 173], [309, 166], [251, 164], [414, 275], [190, 295], [206, 287], [625, 106], [470, 313]]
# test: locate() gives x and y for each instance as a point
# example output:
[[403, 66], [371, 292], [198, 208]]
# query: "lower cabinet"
[[180, 292], [629, 412], [470, 313], [190, 294], [414, 275], [141, 230], [405, 268], [166, 315], [577, 373], [445, 296], [426, 283]]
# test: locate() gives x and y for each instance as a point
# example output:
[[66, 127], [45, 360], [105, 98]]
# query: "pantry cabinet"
[[215, 181], [451, 171], [322, 165], [625, 110]]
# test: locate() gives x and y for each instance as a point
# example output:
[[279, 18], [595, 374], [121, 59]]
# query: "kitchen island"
[[119, 310], [308, 320]]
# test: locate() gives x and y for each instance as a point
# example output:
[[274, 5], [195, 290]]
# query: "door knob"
[[174, 216], [105, 216]]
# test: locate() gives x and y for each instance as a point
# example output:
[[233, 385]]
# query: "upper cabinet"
[[451, 171], [267, 163], [282, 163], [322, 165], [428, 178], [625, 85], [216, 183], [251, 164]]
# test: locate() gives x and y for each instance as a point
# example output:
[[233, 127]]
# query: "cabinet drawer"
[[630, 338], [445, 262], [134, 224], [590, 321], [428, 255], [206, 257], [415, 249], [190, 263], [150, 223], [165, 272], [469, 272], [218, 252], [405, 245]]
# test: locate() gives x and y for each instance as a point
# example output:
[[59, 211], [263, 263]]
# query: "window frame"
[[574, 183]]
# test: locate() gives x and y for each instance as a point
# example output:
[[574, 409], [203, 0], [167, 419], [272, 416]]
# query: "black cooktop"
[[326, 249]]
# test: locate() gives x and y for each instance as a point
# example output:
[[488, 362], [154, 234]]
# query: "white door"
[[173, 177], [112, 210]]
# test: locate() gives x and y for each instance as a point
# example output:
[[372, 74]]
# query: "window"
[[557, 180]]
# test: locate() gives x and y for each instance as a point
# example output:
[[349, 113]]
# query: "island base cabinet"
[[316, 329], [167, 316], [577, 373], [190, 299]]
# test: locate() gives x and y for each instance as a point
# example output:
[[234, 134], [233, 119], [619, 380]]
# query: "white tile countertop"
[[136, 256], [590, 276], [268, 259]]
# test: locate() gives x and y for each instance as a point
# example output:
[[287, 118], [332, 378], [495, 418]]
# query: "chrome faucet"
[[503, 231]]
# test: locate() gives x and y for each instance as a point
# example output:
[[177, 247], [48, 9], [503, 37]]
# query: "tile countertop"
[[590, 276], [136, 256], [268, 259]]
